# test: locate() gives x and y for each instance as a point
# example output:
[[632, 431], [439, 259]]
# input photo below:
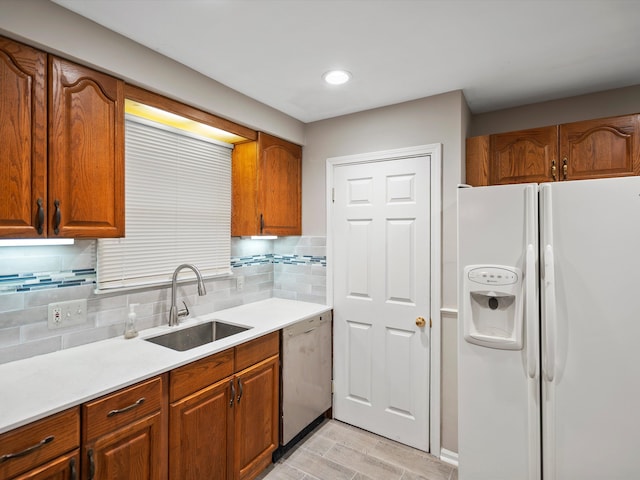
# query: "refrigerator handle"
[[530, 312], [531, 298], [550, 314]]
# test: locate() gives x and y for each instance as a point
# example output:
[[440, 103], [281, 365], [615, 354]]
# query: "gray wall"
[[609, 103], [438, 119]]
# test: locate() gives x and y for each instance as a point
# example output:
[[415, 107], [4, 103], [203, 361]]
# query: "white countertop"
[[36, 387]]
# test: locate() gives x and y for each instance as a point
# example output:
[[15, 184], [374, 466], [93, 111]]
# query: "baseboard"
[[449, 456]]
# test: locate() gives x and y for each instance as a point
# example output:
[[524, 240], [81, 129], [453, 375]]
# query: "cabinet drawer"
[[32, 445], [255, 351], [110, 412], [199, 374]]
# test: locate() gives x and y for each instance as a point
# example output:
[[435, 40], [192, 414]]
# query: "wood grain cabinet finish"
[[125, 434], [605, 147], [256, 419], [266, 187], [46, 449], [86, 152], [225, 425], [23, 140], [61, 147], [526, 156]]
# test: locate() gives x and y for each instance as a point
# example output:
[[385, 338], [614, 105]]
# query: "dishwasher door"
[[306, 374]]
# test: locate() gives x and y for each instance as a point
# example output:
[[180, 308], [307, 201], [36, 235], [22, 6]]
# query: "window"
[[178, 207]]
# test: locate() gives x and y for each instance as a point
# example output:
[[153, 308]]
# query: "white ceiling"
[[501, 53]]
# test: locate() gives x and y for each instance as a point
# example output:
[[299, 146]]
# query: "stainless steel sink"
[[201, 334]]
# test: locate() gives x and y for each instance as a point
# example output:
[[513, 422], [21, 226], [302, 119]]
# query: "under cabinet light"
[[36, 242], [263, 237]]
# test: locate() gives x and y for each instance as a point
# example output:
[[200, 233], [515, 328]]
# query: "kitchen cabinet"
[[86, 152], [124, 433], [62, 137], [606, 147], [227, 406], [256, 418], [266, 187], [44, 450], [23, 136]]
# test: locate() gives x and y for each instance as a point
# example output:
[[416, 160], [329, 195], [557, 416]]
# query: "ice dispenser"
[[492, 306]]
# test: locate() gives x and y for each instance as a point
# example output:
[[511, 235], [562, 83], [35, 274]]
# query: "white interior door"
[[381, 285]]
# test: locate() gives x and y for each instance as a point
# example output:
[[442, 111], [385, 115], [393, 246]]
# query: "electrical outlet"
[[66, 314], [240, 283]]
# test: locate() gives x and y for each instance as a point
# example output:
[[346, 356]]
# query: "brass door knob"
[[421, 322]]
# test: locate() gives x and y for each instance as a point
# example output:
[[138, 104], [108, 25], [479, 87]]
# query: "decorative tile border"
[[26, 282], [251, 260]]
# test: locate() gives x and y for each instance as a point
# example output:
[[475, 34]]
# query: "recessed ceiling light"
[[337, 77]]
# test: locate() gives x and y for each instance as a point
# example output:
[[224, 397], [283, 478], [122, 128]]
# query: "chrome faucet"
[[174, 313]]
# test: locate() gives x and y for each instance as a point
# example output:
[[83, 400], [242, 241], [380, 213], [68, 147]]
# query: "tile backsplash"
[[33, 277]]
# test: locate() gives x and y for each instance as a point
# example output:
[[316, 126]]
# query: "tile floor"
[[337, 451]]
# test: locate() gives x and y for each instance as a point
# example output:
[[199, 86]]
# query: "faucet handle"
[[183, 312]]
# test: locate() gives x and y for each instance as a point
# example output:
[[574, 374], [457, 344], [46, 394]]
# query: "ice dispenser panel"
[[493, 306]]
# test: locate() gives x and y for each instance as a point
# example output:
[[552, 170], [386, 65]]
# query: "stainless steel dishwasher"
[[306, 376]]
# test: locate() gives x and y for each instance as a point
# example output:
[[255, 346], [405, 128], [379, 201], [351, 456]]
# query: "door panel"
[[381, 281]]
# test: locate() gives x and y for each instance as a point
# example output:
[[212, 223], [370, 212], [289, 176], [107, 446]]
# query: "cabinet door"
[[86, 152], [133, 451], [606, 147], [66, 467], [524, 156], [201, 429], [23, 144], [279, 186], [256, 418]]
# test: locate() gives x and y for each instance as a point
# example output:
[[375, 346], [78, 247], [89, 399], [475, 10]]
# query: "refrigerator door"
[[591, 386], [499, 406]]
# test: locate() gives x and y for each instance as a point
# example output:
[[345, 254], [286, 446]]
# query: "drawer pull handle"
[[241, 391], [233, 393], [27, 451], [126, 409]]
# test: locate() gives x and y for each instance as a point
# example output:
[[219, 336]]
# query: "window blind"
[[178, 208]]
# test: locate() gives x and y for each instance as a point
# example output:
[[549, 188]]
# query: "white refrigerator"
[[549, 331]]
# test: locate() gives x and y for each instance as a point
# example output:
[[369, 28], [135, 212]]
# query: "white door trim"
[[433, 150]]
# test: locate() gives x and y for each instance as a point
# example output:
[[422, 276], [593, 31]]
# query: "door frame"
[[434, 151]]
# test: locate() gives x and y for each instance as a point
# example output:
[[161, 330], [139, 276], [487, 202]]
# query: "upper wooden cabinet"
[[61, 147], [86, 152], [606, 147], [266, 187], [23, 140]]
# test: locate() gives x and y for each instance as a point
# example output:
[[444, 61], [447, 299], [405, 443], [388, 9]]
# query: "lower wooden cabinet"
[[125, 434], [46, 449], [226, 427], [256, 418], [216, 418], [201, 427]]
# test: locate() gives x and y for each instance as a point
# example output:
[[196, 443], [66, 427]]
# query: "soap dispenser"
[[130, 326]]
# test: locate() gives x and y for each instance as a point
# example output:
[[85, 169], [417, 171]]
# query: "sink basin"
[[198, 335]]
